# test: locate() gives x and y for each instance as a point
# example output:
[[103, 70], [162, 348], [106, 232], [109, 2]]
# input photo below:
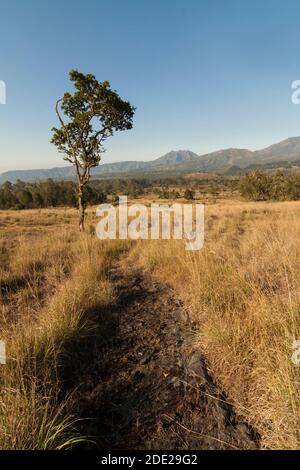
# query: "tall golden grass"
[[243, 289], [49, 282]]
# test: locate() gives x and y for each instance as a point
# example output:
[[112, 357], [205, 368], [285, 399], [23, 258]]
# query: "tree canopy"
[[87, 118]]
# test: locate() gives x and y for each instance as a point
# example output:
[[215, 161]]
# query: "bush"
[[189, 194], [259, 186]]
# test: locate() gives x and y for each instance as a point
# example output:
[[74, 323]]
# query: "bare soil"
[[145, 384]]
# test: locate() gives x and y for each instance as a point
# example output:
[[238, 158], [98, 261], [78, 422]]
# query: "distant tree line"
[[52, 193], [45, 194], [260, 186], [165, 192], [129, 187]]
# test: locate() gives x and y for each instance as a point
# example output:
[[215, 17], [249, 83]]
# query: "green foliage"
[[93, 113], [259, 186], [134, 189], [166, 193], [256, 186], [189, 194], [47, 194]]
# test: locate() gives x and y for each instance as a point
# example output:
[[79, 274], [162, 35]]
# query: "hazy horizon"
[[64, 163]]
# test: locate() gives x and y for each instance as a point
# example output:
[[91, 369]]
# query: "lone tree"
[[91, 114]]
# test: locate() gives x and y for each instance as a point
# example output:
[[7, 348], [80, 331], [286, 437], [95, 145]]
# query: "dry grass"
[[243, 291], [50, 279]]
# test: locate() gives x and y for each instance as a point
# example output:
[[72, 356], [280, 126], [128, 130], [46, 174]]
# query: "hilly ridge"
[[180, 161]]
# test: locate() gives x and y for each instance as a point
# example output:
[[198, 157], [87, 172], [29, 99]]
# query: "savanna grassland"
[[50, 281], [241, 291]]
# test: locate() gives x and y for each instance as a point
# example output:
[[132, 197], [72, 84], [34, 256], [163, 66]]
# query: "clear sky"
[[203, 74]]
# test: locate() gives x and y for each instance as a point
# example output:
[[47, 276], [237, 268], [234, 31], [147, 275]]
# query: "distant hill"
[[170, 160], [175, 157], [226, 161], [288, 149]]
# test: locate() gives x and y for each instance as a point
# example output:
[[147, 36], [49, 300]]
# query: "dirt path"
[[151, 388]]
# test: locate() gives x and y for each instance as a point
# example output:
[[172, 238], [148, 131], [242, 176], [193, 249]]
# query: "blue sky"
[[203, 74]]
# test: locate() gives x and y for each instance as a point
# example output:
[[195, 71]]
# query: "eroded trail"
[[151, 387]]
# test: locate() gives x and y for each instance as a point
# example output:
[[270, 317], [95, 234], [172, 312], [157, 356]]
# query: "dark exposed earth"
[[145, 384]]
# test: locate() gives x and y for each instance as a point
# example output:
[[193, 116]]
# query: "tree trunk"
[[81, 210]]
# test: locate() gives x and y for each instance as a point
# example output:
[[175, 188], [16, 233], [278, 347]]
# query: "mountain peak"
[[175, 157]]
